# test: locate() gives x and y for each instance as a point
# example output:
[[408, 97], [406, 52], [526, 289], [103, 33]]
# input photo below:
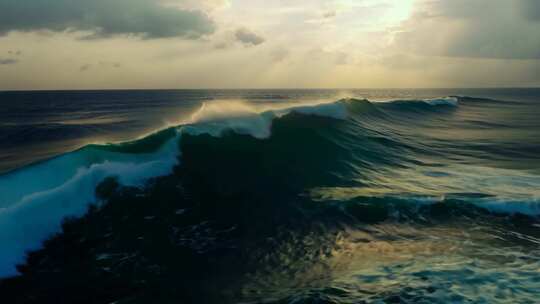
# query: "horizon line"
[[269, 89]]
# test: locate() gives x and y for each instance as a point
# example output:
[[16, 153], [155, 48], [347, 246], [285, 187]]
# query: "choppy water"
[[348, 196]]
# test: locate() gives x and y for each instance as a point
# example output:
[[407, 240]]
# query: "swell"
[[234, 147]]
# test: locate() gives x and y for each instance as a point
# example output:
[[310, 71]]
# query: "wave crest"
[[218, 117]]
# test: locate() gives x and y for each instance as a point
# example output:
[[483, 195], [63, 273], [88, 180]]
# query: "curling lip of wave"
[[450, 101], [217, 117], [243, 118]]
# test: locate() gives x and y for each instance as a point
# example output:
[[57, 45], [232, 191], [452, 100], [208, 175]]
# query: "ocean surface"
[[271, 196]]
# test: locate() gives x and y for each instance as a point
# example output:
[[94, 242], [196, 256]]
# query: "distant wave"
[[439, 101]]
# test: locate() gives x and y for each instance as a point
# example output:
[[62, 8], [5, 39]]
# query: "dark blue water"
[[395, 195]]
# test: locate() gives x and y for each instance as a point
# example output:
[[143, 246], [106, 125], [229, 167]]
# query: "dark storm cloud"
[[145, 18], [8, 61], [248, 37], [531, 9], [474, 28]]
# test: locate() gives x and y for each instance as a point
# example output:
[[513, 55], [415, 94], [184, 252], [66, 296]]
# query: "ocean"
[[270, 196]]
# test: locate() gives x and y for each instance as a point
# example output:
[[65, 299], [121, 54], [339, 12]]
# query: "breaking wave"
[[337, 152]]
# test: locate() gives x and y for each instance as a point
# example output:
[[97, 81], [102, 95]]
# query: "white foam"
[[219, 116], [256, 120], [448, 101], [336, 110], [36, 199]]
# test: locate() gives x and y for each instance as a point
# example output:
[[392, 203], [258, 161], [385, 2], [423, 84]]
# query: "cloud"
[[473, 29], [85, 67], [100, 64], [204, 5], [240, 36], [329, 14], [104, 18], [342, 58], [15, 53], [279, 55], [222, 45], [8, 61], [248, 37], [531, 9]]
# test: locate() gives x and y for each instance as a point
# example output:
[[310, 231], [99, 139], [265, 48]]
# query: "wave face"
[[329, 201], [36, 199]]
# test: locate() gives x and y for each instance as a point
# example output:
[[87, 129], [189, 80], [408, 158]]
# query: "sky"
[[154, 44]]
